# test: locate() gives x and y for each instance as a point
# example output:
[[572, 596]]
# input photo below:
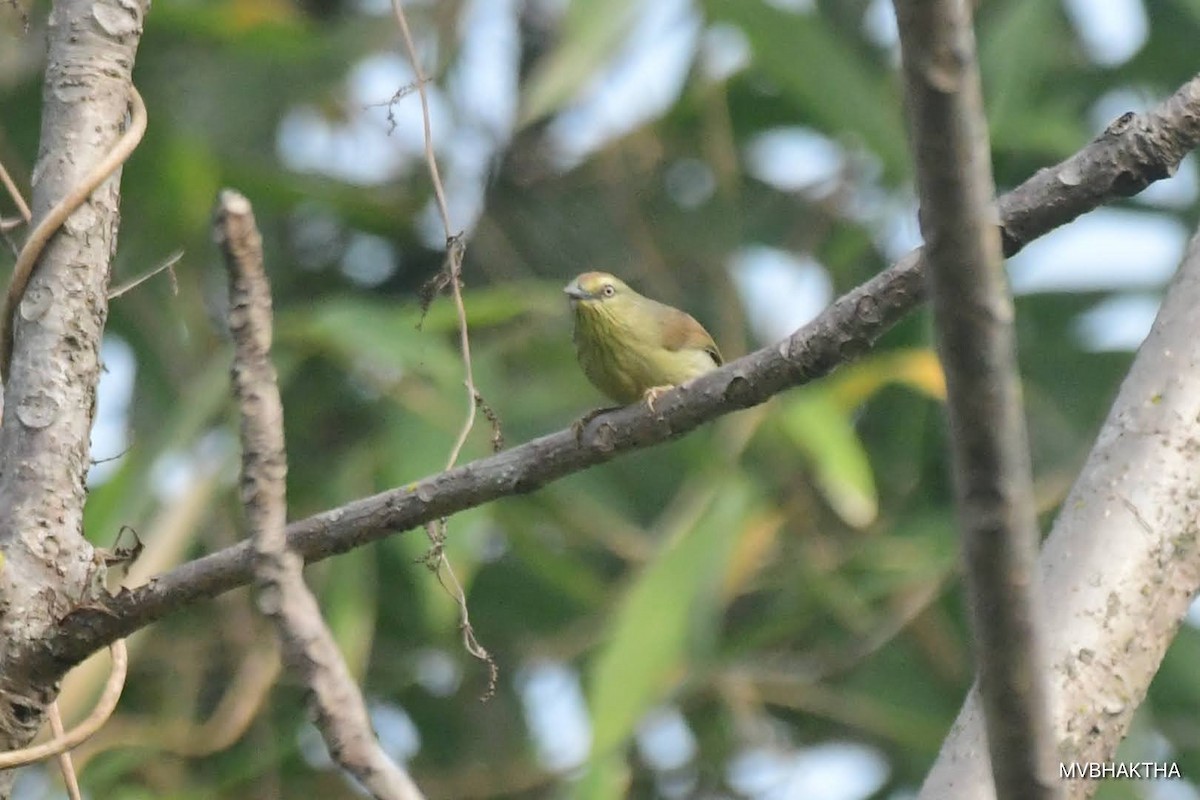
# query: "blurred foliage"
[[783, 580]]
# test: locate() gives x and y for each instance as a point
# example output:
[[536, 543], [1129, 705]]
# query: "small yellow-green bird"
[[632, 347]]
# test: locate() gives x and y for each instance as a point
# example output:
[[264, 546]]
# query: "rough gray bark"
[[973, 321], [309, 650], [1121, 565], [49, 398]]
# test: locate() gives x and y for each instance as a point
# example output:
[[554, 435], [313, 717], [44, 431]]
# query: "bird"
[[631, 347]]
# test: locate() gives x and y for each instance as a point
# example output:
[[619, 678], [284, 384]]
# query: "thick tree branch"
[[1121, 565], [50, 393], [973, 320], [62, 210], [309, 650], [1114, 165]]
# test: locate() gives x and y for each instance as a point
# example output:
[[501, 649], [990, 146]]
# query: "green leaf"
[[1021, 47], [918, 369], [820, 427], [665, 609], [834, 85], [274, 27], [384, 336], [1189, 7], [1018, 42], [349, 602], [606, 778], [567, 571], [591, 31]]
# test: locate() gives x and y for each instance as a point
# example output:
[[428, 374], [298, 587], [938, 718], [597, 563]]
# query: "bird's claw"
[[653, 393], [578, 425], [648, 397]]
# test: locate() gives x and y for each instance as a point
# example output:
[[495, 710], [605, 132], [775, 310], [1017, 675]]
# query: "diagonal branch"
[[973, 319], [308, 647], [1121, 565], [1120, 162]]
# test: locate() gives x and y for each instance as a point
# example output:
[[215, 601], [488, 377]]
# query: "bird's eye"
[[609, 290]]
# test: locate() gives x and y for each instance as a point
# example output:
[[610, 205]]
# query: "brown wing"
[[680, 331]]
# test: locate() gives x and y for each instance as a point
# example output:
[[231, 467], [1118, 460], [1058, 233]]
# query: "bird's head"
[[604, 298], [592, 289]]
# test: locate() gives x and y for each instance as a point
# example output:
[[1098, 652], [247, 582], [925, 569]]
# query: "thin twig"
[[70, 779], [454, 243], [81, 732], [26, 216], [15, 194], [309, 650], [454, 257], [441, 567], [133, 283], [430, 160], [455, 248], [232, 715]]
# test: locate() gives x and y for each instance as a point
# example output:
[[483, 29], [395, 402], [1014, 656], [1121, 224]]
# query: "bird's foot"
[[653, 393], [578, 425]]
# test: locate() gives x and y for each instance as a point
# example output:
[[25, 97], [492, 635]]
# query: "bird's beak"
[[576, 292]]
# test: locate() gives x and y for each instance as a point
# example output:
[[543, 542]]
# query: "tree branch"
[[1121, 565], [1116, 164], [50, 391], [49, 224], [307, 645], [973, 320]]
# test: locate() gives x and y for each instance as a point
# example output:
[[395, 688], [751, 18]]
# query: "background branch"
[[1120, 566], [973, 320], [1114, 165], [309, 650]]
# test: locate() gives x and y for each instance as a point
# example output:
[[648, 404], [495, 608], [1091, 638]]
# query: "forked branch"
[[309, 650]]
